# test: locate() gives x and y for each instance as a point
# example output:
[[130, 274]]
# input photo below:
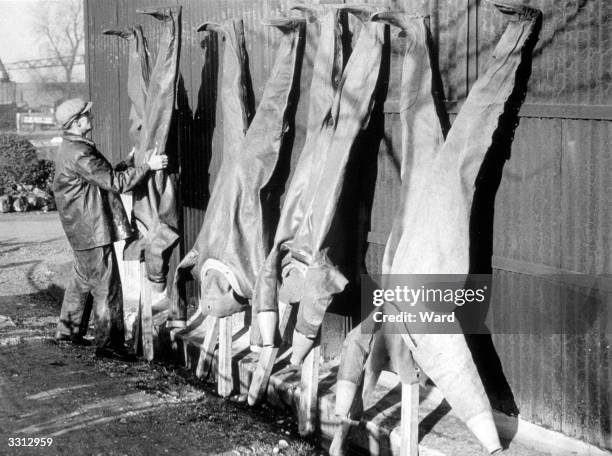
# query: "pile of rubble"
[[26, 198]]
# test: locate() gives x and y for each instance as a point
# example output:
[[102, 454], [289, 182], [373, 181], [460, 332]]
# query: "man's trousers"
[[95, 282]]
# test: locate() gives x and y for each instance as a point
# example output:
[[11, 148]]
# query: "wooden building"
[[7, 87], [550, 229]]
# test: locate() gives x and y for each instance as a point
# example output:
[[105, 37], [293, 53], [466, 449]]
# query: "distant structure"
[[4, 77], [38, 95], [7, 87]]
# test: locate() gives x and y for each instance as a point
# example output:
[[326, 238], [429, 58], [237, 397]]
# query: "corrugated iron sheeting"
[[586, 192], [585, 247], [573, 63], [528, 205], [553, 209], [452, 38], [532, 362], [559, 380], [104, 81]]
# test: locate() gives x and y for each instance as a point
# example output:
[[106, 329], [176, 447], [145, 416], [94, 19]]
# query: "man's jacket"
[[86, 191]]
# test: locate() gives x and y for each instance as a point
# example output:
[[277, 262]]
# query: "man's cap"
[[69, 110]]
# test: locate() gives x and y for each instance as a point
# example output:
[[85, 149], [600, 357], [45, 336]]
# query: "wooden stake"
[[267, 358], [409, 375], [336, 447], [186, 355], [138, 329], [409, 427], [225, 382], [193, 323], [348, 410], [309, 389], [261, 376], [207, 351], [146, 314]]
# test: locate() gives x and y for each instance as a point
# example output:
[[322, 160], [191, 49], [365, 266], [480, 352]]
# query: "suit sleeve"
[[96, 170], [125, 164]]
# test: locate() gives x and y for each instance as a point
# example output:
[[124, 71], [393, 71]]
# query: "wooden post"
[[146, 315], [129, 272], [225, 382], [138, 325], [207, 350], [309, 389], [267, 357], [192, 323], [409, 427], [348, 410], [186, 355], [262, 373]]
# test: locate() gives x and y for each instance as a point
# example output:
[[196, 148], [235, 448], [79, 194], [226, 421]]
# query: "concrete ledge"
[[543, 439], [378, 432], [533, 436]]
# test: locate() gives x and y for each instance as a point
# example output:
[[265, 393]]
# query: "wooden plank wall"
[[552, 211]]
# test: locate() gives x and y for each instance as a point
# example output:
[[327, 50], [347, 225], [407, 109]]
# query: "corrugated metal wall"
[[553, 216], [552, 212]]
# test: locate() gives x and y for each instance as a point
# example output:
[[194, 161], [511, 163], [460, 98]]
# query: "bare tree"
[[60, 30]]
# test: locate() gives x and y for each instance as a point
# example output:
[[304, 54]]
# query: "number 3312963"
[[29, 441]]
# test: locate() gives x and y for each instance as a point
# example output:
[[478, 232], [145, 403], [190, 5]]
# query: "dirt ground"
[[93, 407]]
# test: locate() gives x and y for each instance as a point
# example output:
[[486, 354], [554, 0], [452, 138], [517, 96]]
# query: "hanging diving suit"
[[155, 204], [339, 111], [431, 232], [234, 238]]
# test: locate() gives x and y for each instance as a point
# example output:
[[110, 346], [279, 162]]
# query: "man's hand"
[[157, 162]]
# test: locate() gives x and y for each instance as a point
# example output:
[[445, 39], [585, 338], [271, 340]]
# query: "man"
[[86, 191]]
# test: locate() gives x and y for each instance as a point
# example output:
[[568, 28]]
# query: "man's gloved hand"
[[157, 162]]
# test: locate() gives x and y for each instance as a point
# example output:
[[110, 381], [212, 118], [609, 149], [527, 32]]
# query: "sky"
[[17, 41]]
